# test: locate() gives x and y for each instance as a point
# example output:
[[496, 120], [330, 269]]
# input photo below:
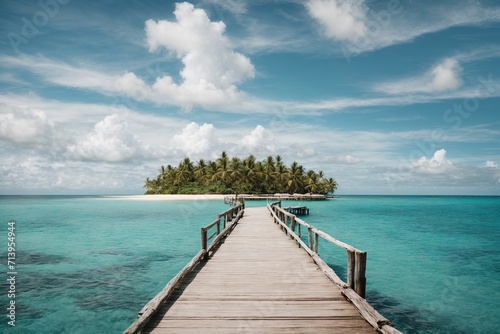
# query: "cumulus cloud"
[[438, 164], [445, 76], [211, 73], [110, 141], [132, 86], [25, 126], [259, 139], [342, 20], [212, 69], [195, 139], [490, 164]]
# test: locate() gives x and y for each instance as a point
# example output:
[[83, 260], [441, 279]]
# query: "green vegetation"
[[233, 175]]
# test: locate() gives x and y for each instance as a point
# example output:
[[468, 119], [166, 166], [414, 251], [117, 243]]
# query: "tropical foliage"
[[233, 175]]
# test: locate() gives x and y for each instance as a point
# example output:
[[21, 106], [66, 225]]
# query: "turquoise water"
[[87, 264]]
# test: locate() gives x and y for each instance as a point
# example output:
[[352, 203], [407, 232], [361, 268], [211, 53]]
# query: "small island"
[[233, 175]]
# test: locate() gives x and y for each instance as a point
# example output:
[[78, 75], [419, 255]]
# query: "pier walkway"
[[258, 281]]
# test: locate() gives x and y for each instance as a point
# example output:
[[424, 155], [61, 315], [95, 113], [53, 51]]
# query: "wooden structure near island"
[[250, 277], [297, 210], [275, 197]]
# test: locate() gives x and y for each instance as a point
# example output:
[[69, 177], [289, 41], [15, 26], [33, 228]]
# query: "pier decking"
[[259, 281]]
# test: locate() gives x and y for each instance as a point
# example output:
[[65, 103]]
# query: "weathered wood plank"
[[258, 281], [267, 323]]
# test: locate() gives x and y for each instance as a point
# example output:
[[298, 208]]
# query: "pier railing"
[[356, 259], [227, 220], [229, 216], [355, 288]]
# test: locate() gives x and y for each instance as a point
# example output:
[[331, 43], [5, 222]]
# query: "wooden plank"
[[258, 281], [267, 323]]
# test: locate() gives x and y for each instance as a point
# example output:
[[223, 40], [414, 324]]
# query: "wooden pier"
[[297, 210], [252, 278], [276, 197]]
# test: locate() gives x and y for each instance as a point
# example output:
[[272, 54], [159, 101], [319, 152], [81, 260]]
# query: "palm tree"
[[237, 169], [185, 171], [200, 171], [211, 169], [281, 177], [151, 186], [224, 171], [233, 174], [223, 159], [312, 182], [329, 185], [247, 174], [269, 175], [294, 178], [258, 180], [279, 160]]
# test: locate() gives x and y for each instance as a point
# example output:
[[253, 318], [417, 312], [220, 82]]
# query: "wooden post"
[[299, 234], [204, 242], [292, 225], [218, 227], [351, 260], [359, 276], [309, 238], [316, 243]]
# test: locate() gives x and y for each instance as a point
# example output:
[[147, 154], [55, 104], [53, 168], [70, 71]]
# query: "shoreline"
[[175, 197]]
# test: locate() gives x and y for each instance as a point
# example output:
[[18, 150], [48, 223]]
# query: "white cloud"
[[27, 174], [110, 141], [210, 77], [129, 84], [443, 77], [446, 76], [260, 139], [363, 26], [25, 126], [343, 20], [63, 74], [196, 139], [490, 164], [212, 69], [132, 86], [438, 164]]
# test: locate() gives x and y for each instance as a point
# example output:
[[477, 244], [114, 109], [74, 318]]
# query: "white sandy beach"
[[168, 197]]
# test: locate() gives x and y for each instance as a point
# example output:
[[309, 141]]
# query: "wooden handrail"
[[232, 215], [227, 216], [355, 289], [356, 259]]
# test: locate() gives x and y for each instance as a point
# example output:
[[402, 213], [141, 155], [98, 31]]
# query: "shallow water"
[[88, 265]]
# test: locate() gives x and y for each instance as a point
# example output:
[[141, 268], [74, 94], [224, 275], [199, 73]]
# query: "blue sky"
[[387, 97]]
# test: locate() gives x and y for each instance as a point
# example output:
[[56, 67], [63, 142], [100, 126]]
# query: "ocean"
[[87, 264]]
